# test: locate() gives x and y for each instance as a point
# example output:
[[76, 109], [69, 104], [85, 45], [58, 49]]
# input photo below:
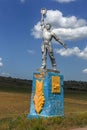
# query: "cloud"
[[66, 28], [0, 59], [64, 1], [73, 51], [31, 52], [22, 1], [36, 31], [5, 74], [1, 64], [84, 71]]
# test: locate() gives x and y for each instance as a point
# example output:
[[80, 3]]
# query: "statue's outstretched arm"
[[58, 40]]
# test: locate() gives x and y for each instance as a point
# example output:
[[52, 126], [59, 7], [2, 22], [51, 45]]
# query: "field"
[[13, 104], [14, 108]]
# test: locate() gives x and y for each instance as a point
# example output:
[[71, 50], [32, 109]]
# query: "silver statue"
[[47, 36]]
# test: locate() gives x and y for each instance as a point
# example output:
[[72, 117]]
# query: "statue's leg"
[[51, 55], [44, 56]]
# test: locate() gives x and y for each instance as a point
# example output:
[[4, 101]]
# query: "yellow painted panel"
[[55, 84], [39, 96]]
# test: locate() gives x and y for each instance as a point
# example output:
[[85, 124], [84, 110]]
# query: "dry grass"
[[14, 108], [75, 102], [13, 104]]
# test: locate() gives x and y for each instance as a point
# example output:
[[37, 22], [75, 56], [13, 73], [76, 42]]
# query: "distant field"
[[14, 108]]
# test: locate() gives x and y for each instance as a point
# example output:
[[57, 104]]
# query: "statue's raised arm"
[[43, 13]]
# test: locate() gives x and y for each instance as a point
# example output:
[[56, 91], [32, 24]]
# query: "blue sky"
[[20, 37]]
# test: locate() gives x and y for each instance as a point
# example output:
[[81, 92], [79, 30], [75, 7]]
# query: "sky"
[[20, 37]]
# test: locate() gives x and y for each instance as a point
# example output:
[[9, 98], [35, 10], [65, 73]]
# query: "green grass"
[[57, 123]]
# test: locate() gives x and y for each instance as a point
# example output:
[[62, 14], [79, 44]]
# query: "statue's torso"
[[47, 36]]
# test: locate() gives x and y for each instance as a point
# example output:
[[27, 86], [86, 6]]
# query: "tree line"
[[75, 85], [24, 85]]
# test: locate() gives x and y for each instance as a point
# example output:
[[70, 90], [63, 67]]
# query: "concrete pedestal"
[[47, 98]]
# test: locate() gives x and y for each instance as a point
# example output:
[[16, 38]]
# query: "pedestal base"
[[47, 98]]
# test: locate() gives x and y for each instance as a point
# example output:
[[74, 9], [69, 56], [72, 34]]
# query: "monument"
[[47, 98]]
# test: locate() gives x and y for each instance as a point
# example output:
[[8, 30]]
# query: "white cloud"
[[1, 64], [0, 59], [84, 71], [5, 74], [22, 1], [36, 31], [31, 51], [66, 28], [73, 51], [64, 1]]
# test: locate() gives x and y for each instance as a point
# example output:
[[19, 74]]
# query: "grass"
[[22, 123], [75, 102], [14, 108], [13, 104]]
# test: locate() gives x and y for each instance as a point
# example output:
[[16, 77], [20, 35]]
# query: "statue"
[[47, 98], [47, 36]]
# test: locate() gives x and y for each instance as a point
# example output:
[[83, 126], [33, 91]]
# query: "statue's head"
[[48, 26]]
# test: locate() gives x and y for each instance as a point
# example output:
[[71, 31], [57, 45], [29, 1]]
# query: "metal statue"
[[47, 36]]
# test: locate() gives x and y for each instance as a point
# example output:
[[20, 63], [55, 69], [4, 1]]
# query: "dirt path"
[[80, 128]]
